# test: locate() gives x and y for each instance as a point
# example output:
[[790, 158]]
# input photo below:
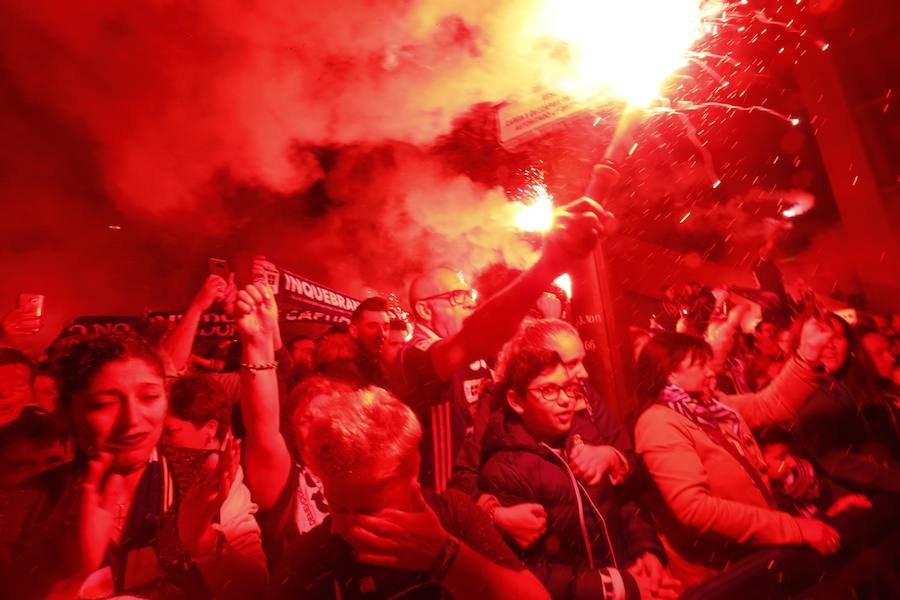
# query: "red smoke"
[[298, 130]]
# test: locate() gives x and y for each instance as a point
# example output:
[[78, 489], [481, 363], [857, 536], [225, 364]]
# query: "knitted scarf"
[[706, 413]]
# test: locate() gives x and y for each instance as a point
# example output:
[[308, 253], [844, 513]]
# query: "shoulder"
[[660, 424], [654, 414], [34, 501], [416, 357]]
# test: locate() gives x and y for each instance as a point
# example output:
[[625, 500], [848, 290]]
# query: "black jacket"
[[516, 469], [467, 468], [854, 445]]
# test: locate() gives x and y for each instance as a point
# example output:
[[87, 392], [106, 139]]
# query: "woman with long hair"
[[127, 515], [849, 427], [714, 501]]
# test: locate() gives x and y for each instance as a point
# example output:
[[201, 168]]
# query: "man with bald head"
[[444, 361]]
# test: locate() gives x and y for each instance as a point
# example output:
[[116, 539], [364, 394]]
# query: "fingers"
[[667, 594], [385, 522], [244, 298], [97, 468], [255, 295], [212, 485], [208, 478], [365, 541], [586, 205], [268, 299], [860, 501], [832, 540], [231, 458], [113, 491], [538, 511], [254, 292], [379, 560], [217, 283]]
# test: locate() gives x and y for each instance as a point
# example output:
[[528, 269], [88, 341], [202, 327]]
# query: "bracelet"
[[259, 366]]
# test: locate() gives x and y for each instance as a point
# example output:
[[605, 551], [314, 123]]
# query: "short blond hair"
[[364, 435]]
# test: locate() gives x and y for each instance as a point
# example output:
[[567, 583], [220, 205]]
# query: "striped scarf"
[[706, 413]]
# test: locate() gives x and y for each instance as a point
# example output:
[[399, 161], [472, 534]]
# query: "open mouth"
[[565, 417]]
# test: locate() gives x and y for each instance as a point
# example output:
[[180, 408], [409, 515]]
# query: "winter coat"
[[711, 506], [468, 462], [588, 528], [855, 445]]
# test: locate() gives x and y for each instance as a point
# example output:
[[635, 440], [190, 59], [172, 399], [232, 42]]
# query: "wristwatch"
[[445, 559]]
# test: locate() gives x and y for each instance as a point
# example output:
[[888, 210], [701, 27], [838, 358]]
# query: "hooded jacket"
[[592, 532]]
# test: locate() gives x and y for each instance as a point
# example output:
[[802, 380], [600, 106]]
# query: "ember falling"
[[325, 142], [470, 299]]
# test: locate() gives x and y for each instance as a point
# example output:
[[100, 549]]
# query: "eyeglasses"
[[550, 391], [454, 297]]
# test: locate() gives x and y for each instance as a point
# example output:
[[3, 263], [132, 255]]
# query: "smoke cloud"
[[308, 132]]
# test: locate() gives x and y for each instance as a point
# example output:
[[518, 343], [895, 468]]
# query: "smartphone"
[[32, 303], [218, 266]]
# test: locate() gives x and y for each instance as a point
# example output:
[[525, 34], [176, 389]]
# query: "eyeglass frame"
[[560, 389], [448, 296]]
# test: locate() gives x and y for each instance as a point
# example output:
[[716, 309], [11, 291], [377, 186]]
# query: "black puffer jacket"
[[517, 469]]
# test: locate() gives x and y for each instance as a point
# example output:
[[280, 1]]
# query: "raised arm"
[[577, 230], [180, 341], [267, 461], [782, 398]]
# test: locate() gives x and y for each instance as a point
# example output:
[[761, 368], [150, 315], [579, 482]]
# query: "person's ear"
[[672, 379], [515, 401], [353, 331], [210, 430], [423, 311]]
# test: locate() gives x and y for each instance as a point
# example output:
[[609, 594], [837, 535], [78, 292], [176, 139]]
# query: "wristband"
[[445, 559], [259, 366]]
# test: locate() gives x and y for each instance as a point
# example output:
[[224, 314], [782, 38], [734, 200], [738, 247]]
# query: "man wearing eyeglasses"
[[441, 301], [443, 362]]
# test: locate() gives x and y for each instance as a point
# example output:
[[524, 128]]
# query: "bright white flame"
[[802, 203], [623, 48], [538, 215], [565, 283]]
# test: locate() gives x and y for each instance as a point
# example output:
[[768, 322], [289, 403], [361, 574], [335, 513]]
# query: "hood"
[[506, 432]]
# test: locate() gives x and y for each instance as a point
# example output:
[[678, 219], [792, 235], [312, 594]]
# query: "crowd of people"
[[462, 454]]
